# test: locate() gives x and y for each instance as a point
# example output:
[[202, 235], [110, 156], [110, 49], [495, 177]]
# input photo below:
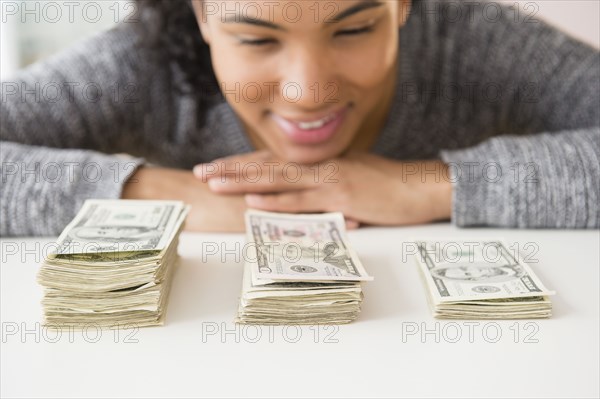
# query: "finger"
[[352, 224], [289, 202], [229, 165], [270, 176], [260, 181], [300, 202]]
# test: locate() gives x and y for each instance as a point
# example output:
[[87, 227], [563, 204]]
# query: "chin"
[[309, 154]]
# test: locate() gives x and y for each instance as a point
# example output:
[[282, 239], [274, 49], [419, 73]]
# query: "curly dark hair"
[[171, 32]]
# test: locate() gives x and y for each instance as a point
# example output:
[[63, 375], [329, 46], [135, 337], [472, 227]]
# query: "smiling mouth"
[[319, 123], [311, 131]]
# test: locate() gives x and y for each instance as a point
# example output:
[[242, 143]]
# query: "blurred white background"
[[33, 29], [580, 18]]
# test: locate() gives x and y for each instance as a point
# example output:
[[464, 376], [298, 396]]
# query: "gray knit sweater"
[[512, 106]]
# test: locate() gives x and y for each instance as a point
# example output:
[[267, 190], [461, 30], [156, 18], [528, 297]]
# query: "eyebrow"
[[355, 9], [362, 6]]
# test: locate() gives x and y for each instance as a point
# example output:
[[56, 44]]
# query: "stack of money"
[[113, 264], [480, 280], [301, 271]]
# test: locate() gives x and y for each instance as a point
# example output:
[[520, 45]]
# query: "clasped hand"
[[366, 188]]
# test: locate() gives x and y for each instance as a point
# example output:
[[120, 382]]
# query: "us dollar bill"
[[114, 265], [302, 248], [475, 270], [120, 226]]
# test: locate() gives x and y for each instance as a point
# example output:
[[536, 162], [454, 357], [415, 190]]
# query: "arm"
[[545, 180], [542, 168], [57, 118], [43, 188], [210, 212]]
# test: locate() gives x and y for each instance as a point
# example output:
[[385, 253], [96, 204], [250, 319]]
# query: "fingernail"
[[198, 170]]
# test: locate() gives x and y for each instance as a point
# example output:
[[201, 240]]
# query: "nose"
[[309, 79]]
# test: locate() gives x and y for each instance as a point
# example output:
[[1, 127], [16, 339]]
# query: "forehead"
[[286, 13]]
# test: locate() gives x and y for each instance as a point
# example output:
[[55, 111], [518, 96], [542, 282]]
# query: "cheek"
[[227, 75], [369, 65], [244, 83]]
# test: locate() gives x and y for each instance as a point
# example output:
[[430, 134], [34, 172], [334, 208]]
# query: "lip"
[[292, 130]]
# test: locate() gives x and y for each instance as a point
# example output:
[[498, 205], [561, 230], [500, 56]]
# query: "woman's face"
[[308, 79]]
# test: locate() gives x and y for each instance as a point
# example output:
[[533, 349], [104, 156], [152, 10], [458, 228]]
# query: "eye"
[[357, 31], [257, 42]]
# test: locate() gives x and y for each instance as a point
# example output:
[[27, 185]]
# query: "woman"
[[390, 111]]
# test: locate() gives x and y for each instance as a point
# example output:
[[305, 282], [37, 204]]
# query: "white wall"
[[580, 18], [33, 29], [9, 53]]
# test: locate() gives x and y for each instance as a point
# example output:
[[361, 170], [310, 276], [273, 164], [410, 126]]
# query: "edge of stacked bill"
[[480, 280], [113, 264], [301, 270]]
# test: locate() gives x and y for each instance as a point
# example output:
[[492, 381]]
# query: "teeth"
[[316, 124], [311, 125]]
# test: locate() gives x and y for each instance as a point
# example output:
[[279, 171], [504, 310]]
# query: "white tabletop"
[[394, 349]]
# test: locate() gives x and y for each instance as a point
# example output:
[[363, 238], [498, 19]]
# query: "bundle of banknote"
[[480, 280], [113, 264], [299, 269]]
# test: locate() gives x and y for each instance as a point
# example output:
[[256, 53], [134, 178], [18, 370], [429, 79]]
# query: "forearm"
[[43, 188], [438, 188], [540, 181], [210, 212]]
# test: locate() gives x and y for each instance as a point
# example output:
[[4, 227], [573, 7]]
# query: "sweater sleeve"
[[547, 180], [43, 188], [61, 122], [543, 169]]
